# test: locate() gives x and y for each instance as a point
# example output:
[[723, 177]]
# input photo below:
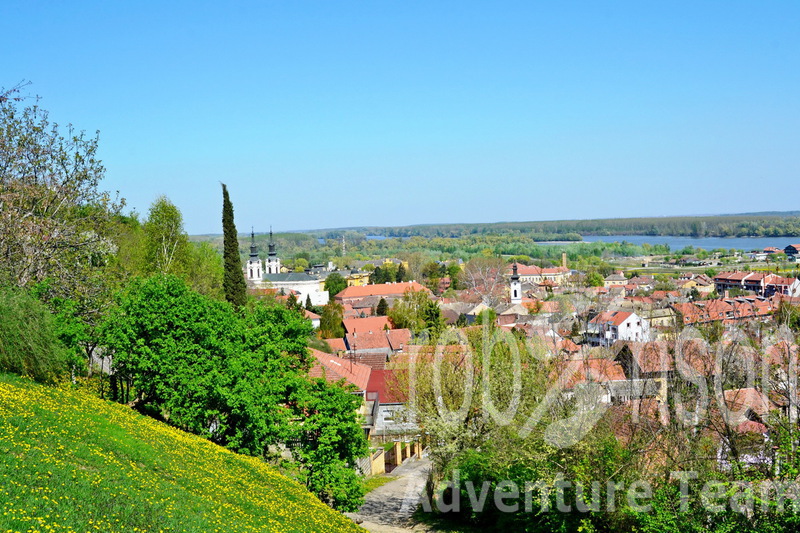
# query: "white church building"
[[270, 277]]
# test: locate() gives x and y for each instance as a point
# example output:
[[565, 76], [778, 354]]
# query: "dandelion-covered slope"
[[72, 462]]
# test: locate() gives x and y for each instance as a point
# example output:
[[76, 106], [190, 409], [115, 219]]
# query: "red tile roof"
[[388, 386], [336, 344], [368, 340], [376, 361], [398, 338], [651, 356], [335, 369], [574, 371], [749, 398], [533, 270], [614, 318], [371, 324], [381, 289]]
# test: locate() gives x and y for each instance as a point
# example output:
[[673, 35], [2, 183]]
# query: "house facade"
[[609, 327], [761, 283]]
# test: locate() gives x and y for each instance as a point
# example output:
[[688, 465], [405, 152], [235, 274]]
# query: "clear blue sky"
[[332, 114]]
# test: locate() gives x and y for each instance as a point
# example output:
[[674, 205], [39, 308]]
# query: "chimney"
[[564, 259]]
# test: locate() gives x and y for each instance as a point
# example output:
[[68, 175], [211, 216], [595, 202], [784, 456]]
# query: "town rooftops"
[[381, 289]]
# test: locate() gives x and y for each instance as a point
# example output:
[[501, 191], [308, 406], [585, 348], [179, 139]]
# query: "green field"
[[72, 462]]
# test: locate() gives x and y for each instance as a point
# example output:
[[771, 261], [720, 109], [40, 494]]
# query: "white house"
[[611, 326]]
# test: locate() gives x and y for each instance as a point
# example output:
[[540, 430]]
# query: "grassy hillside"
[[71, 462]]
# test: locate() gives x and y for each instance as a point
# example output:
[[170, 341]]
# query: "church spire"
[[271, 243], [253, 247]]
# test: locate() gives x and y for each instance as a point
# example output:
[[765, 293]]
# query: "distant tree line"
[[754, 225]]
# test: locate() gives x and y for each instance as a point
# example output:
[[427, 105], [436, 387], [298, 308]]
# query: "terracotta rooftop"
[[749, 398], [336, 344], [388, 386], [572, 372], [381, 289], [368, 340], [371, 324], [614, 318], [335, 369]]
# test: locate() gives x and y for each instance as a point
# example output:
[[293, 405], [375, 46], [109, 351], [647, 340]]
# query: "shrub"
[[28, 342]]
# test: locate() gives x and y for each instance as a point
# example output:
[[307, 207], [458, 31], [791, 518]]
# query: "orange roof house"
[[385, 290], [368, 324], [335, 369]]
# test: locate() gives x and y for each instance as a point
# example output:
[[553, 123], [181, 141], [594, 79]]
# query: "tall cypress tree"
[[233, 280]]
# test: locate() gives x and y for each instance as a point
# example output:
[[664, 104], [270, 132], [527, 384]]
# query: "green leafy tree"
[[166, 244], [487, 317], [594, 279], [233, 282], [401, 275], [330, 440], [417, 312], [382, 308], [56, 224], [54, 220], [237, 378], [300, 264], [330, 322], [433, 319], [454, 273], [128, 235], [335, 283], [431, 274], [29, 344], [386, 273], [204, 270], [694, 294], [377, 276], [309, 306], [197, 363], [170, 344]]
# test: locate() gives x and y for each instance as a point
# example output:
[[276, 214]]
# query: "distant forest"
[[742, 225]]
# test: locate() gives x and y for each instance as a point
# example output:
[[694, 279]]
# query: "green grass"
[[373, 482], [72, 462]]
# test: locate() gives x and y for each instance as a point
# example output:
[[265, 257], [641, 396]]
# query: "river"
[[707, 243]]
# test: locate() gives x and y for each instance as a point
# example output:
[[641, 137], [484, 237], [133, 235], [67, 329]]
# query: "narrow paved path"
[[388, 509]]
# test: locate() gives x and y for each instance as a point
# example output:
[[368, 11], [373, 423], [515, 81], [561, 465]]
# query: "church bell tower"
[[254, 263]]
